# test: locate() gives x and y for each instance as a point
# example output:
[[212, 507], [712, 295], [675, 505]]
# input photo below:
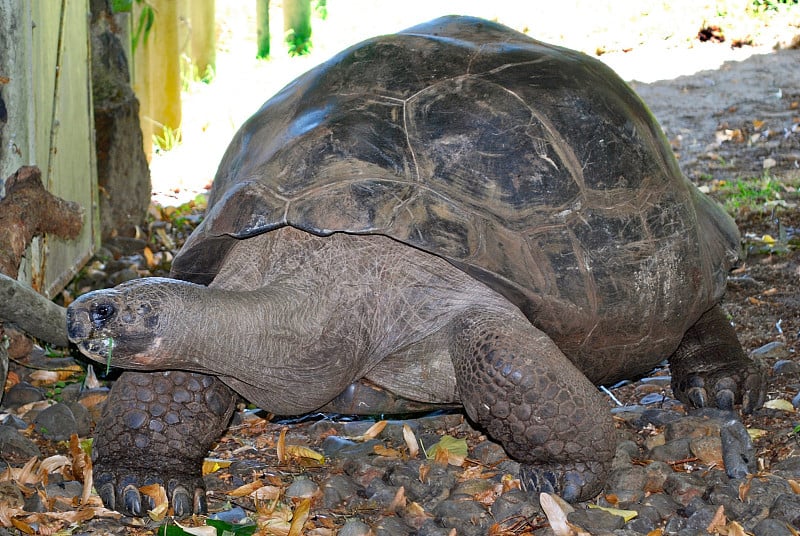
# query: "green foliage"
[[147, 17], [169, 138], [772, 5], [299, 45], [321, 8], [190, 73], [223, 528], [755, 194]]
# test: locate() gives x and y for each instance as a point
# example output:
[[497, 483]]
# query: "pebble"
[[774, 350], [58, 422], [354, 527], [21, 394], [15, 446]]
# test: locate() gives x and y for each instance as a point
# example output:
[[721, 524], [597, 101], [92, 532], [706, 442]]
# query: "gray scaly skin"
[[348, 308], [293, 320]]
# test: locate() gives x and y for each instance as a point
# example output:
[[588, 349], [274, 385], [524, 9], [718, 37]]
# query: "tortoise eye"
[[101, 313]]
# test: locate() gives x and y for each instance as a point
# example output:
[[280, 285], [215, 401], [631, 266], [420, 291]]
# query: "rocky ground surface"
[[325, 475]]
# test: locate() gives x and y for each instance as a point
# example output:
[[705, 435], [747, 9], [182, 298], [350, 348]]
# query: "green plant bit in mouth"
[[110, 349]]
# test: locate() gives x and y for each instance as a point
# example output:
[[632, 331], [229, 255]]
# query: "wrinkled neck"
[[215, 327]]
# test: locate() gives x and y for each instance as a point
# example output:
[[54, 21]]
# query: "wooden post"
[[204, 36], [157, 77], [297, 25], [262, 28]]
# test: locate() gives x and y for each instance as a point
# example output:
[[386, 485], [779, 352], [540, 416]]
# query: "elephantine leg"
[[156, 429], [709, 368], [517, 384]]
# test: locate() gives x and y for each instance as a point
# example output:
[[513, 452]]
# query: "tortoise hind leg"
[[515, 382], [710, 368], [156, 429]]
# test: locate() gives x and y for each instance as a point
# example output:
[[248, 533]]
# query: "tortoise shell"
[[531, 167]]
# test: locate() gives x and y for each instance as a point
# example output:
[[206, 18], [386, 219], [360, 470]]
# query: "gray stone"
[[380, 493], [339, 490], [488, 453], [595, 520], [392, 526], [83, 419], [772, 350], [302, 487], [469, 518], [786, 507], [684, 487], [671, 451], [786, 367], [701, 518], [21, 394], [15, 446], [773, 527], [514, 504], [627, 484], [56, 423], [737, 449], [354, 527]]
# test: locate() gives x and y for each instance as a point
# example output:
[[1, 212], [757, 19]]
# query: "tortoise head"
[[125, 325]]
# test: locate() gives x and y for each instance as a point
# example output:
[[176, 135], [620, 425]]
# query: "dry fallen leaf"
[[148, 256], [627, 515], [300, 517], [744, 489], [373, 432], [780, 404], [267, 493], [212, 465], [399, 501], [204, 530], [411, 441], [298, 451], [159, 496], [719, 521], [449, 450], [756, 433], [386, 452], [247, 489], [280, 446], [557, 517]]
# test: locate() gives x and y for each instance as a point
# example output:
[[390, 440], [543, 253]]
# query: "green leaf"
[[121, 6], [229, 529], [451, 445]]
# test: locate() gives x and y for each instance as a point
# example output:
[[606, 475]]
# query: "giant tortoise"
[[453, 214]]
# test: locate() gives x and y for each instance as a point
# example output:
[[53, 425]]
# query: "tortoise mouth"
[[97, 348]]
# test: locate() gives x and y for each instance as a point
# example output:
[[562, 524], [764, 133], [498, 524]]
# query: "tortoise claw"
[[573, 482], [107, 495], [182, 502], [724, 399], [131, 501], [697, 397]]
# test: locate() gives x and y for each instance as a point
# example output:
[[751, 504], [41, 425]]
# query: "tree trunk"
[[297, 25], [203, 42], [262, 28], [29, 210]]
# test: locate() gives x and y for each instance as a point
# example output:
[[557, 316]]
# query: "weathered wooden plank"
[[51, 66]]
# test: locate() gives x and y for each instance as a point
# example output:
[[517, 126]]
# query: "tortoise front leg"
[[156, 429], [517, 384], [709, 368]]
